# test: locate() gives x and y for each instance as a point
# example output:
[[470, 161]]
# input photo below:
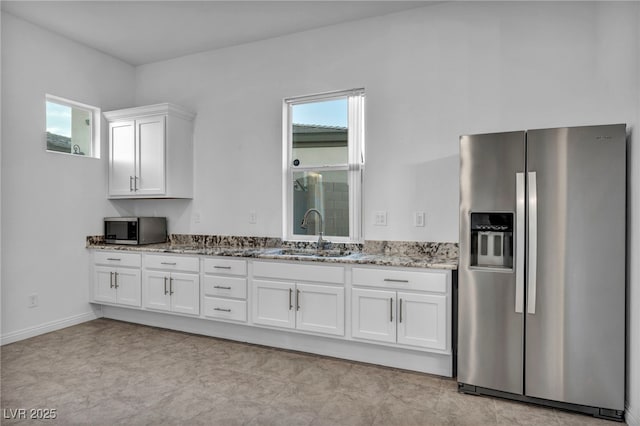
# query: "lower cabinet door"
[[320, 308], [128, 288], [229, 309], [273, 303], [422, 320], [185, 293], [156, 290], [103, 287], [373, 314]]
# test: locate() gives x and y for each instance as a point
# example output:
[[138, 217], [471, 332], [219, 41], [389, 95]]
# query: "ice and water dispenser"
[[492, 240]]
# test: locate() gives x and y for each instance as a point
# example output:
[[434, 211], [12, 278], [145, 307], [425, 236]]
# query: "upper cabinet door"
[[151, 152], [150, 155], [122, 153]]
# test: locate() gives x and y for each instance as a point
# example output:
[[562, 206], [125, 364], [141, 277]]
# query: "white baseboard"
[[49, 326]]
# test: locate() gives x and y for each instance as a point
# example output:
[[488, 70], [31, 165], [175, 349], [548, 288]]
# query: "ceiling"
[[141, 32]]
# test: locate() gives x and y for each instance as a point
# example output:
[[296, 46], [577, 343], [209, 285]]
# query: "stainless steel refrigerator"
[[541, 309]]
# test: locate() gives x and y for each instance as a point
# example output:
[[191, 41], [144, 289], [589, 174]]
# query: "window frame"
[[95, 133], [354, 166]]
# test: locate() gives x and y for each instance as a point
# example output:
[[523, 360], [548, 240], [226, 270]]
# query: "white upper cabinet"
[[151, 152]]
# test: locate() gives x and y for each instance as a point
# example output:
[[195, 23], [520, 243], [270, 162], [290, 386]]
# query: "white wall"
[[430, 75], [50, 202]]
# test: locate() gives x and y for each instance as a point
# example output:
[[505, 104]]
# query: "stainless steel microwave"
[[135, 230]]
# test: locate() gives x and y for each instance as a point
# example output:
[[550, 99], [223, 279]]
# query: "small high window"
[[72, 127], [323, 163]]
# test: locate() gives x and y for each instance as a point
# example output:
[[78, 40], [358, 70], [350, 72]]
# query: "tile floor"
[[107, 372]]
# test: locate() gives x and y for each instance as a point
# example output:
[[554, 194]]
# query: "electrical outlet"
[[33, 300], [253, 216], [418, 219], [380, 218], [196, 216]]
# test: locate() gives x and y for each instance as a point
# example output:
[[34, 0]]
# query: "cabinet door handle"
[[222, 287], [165, 286], [130, 183], [115, 274], [114, 258], [297, 300], [400, 310], [135, 183], [168, 263], [391, 280], [110, 279], [290, 294], [223, 310], [222, 267], [391, 309], [170, 285]]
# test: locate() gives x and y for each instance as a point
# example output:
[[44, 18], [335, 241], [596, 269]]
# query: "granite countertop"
[[384, 253]]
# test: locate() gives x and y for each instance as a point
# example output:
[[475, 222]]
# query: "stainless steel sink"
[[313, 253]]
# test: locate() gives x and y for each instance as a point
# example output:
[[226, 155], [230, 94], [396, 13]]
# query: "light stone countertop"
[[383, 253]]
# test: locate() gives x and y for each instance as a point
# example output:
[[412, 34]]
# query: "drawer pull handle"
[[391, 280], [223, 310], [113, 258], [222, 287], [168, 263], [222, 267]]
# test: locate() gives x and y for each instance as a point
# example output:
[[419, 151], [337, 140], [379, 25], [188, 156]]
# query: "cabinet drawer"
[[215, 285], [225, 266], [297, 272], [172, 263], [117, 258], [235, 310], [432, 281]]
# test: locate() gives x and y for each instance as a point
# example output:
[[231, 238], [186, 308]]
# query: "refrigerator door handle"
[[533, 242], [520, 231]]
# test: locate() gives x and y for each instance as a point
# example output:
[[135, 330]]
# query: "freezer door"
[[490, 318], [575, 320]]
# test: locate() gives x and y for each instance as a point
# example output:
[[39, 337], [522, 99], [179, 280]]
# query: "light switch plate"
[[418, 219], [253, 217], [380, 218]]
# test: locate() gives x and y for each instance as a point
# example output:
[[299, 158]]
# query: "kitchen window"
[[72, 128], [323, 160]]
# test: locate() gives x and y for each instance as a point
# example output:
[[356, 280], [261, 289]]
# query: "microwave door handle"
[[533, 242], [520, 248]]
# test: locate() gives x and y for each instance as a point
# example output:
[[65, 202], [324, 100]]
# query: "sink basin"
[[314, 253]]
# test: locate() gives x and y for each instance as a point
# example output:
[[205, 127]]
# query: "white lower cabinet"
[[308, 307], [170, 291], [404, 317], [117, 285], [116, 278], [225, 289], [283, 296]]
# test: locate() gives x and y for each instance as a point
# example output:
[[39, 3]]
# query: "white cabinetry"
[[116, 278], [225, 289], [172, 284], [404, 307], [296, 304], [151, 152]]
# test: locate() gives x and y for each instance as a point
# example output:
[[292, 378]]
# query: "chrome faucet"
[[322, 243]]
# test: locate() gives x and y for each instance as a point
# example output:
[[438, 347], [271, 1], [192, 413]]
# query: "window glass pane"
[[320, 133], [326, 191], [69, 129]]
